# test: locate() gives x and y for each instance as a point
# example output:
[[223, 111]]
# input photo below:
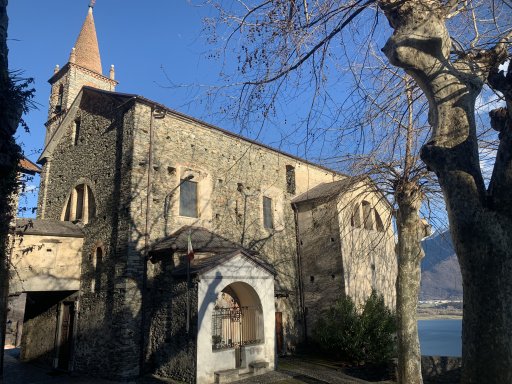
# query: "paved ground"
[[290, 371]]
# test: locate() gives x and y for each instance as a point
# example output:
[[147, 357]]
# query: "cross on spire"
[[91, 3]]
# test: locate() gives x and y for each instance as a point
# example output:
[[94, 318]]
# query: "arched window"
[[80, 205], [378, 222], [355, 219], [367, 215]]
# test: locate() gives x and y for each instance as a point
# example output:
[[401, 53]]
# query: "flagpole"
[[190, 256], [188, 294]]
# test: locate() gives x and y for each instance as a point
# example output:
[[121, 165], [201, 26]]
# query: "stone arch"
[[237, 318]]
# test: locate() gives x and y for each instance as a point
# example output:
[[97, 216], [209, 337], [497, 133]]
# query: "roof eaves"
[[27, 166]]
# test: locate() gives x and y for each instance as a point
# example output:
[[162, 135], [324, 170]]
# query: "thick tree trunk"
[[481, 227], [410, 253], [10, 113]]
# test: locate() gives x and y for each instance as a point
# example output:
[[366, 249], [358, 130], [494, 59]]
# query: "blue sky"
[[138, 38], [152, 44], [142, 40]]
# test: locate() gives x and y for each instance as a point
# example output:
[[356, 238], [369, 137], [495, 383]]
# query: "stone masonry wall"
[[170, 351], [321, 259], [369, 258], [72, 78], [40, 326], [340, 255], [233, 176], [101, 159]]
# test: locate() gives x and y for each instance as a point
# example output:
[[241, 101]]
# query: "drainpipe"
[[299, 271]]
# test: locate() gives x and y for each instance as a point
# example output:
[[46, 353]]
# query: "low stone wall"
[[441, 369]]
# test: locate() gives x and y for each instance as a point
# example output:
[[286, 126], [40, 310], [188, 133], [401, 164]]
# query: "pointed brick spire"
[[87, 52]]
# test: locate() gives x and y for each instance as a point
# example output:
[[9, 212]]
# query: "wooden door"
[[66, 335], [279, 333]]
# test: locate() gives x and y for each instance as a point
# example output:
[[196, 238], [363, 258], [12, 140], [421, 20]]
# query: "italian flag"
[[190, 251]]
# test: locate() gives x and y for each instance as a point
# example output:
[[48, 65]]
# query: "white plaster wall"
[[45, 263], [363, 247], [238, 269]]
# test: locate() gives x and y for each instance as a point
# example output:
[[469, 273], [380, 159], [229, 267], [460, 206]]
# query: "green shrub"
[[368, 336]]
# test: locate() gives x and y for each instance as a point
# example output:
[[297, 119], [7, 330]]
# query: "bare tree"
[[393, 163], [285, 44]]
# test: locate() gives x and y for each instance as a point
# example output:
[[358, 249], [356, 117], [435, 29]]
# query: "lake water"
[[440, 337]]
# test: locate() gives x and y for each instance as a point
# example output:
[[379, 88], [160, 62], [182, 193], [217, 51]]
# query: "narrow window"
[[374, 276], [79, 213], [267, 213], [355, 220], [76, 132], [60, 96], [91, 204], [367, 215], [97, 270], [290, 179], [378, 223], [188, 198]]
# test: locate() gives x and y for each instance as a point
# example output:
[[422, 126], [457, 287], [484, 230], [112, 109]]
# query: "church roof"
[[217, 250], [28, 167], [86, 50], [327, 191], [206, 263], [47, 227], [202, 239]]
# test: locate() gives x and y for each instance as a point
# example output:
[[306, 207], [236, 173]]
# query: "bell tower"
[[83, 68]]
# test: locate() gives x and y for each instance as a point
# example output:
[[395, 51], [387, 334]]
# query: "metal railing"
[[236, 326]]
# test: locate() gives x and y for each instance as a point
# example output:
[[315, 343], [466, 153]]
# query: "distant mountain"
[[440, 271]]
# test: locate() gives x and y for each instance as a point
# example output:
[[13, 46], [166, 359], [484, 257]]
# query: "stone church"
[[167, 245]]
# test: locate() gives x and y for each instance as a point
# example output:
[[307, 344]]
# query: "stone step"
[[259, 367], [226, 376]]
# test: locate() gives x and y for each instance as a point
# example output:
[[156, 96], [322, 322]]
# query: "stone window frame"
[[84, 211], [204, 193]]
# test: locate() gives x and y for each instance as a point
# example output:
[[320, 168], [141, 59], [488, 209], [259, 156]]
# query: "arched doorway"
[[237, 320]]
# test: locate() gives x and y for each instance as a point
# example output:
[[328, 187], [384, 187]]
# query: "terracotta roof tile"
[[87, 52], [26, 166]]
